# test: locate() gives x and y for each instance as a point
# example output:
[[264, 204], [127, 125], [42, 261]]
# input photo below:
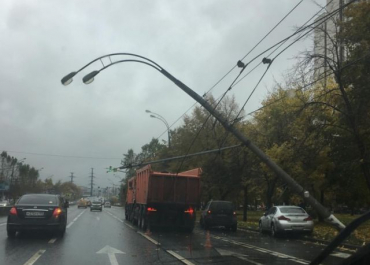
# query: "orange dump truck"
[[163, 199]]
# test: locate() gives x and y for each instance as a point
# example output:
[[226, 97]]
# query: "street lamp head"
[[147, 111], [89, 78], [152, 116], [68, 78]]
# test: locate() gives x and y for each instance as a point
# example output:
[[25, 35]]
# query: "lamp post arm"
[[161, 118], [117, 54]]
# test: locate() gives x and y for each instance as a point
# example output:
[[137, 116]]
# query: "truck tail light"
[[190, 210], [282, 217], [309, 218], [13, 211], [57, 212], [150, 209]]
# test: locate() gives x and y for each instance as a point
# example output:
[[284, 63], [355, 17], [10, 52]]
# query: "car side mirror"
[[66, 204]]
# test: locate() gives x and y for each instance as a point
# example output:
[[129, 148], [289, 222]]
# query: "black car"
[[38, 212], [96, 205], [219, 213]]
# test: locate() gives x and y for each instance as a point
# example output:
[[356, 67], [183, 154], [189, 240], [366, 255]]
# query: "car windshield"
[[37, 199], [183, 131]]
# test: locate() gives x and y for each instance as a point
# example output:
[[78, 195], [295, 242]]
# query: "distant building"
[[327, 49]]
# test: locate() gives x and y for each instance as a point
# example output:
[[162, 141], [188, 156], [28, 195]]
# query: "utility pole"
[[92, 182], [72, 177], [295, 186]]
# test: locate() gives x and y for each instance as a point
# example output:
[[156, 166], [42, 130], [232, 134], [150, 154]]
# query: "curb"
[[310, 239]]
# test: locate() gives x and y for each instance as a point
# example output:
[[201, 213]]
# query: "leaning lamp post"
[[87, 79]]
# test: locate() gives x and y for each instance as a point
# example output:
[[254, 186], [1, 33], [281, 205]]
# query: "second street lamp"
[[161, 118]]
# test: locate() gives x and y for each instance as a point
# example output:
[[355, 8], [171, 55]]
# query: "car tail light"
[[209, 212], [234, 213], [13, 211], [190, 210], [283, 218], [150, 209], [309, 218], [56, 212]]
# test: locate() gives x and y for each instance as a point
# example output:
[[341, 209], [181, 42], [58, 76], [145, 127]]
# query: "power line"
[[269, 61], [279, 44], [263, 38], [240, 64], [273, 28], [179, 157], [64, 156], [323, 76]]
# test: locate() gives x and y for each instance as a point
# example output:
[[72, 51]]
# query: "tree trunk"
[[245, 206], [352, 121], [270, 192]]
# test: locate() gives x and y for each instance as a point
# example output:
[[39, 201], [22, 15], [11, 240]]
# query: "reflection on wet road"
[[106, 238]]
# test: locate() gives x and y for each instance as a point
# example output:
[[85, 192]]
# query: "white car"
[[281, 219], [107, 205], [4, 203]]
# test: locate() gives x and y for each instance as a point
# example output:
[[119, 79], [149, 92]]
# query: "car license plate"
[[34, 214]]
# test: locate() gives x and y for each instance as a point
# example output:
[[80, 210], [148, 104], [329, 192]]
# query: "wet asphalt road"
[[106, 238]]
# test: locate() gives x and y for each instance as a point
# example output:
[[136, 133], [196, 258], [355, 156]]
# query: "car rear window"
[[216, 206], [96, 202], [292, 210], [38, 199]]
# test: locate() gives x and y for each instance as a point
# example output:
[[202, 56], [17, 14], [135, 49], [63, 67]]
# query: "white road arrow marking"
[[340, 255], [111, 254], [224, 252]]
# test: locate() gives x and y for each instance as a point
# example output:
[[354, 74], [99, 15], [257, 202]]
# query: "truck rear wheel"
[[189, 229]]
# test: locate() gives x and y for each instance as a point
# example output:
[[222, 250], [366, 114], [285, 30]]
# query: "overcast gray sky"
[[79, 127]]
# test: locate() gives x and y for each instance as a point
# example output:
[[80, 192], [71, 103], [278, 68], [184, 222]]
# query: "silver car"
[[286, 219]]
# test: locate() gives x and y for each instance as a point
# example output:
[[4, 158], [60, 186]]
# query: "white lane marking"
[[149, 238], [133, 228], [98, 218], [35, 257], [340, 255], [115, 217], [180, 258], [295, 260], [51, 241], [267, 251], [2, 224], [74, 220], [224, 252]]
